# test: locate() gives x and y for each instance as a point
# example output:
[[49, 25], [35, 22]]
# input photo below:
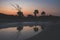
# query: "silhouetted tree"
[[43, 13], [36, 12], [20, 14], [18, 8], [30, 16]]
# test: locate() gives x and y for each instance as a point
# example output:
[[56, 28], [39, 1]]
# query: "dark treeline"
[[21, 17]]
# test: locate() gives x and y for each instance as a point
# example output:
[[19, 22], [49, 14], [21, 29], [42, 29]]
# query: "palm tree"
[[18, 8], [43, 13], [36, 12]]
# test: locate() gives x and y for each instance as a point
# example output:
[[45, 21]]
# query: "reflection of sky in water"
[[13, 34]]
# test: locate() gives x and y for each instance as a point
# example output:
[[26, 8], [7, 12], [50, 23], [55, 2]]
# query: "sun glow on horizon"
[[28, 6]]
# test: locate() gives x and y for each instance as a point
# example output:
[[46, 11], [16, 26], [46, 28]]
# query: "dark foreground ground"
[[50, 33]]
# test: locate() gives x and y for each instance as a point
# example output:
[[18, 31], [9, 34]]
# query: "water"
[[19, 32]]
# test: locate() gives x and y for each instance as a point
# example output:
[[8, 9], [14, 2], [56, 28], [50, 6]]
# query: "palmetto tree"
[[18, 8], [43, 13], [36, 12]]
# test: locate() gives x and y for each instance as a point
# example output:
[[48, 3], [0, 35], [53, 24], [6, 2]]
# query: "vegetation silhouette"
[[30, 18], [36, 29], [36, 12], [43, 13], [20, 13], [19, 28]]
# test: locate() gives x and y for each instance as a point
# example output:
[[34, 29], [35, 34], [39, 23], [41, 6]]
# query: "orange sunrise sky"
[[28, 6]]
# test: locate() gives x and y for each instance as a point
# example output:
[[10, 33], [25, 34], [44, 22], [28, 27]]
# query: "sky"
[[28, 6]]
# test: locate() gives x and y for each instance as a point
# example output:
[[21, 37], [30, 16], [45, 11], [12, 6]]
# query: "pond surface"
[[19, 32]]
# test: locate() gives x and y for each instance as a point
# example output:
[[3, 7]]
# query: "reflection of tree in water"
[[36, 29], [19, 28]]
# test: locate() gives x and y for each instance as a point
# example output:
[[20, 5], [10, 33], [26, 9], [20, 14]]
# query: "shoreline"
[[51, 33]]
